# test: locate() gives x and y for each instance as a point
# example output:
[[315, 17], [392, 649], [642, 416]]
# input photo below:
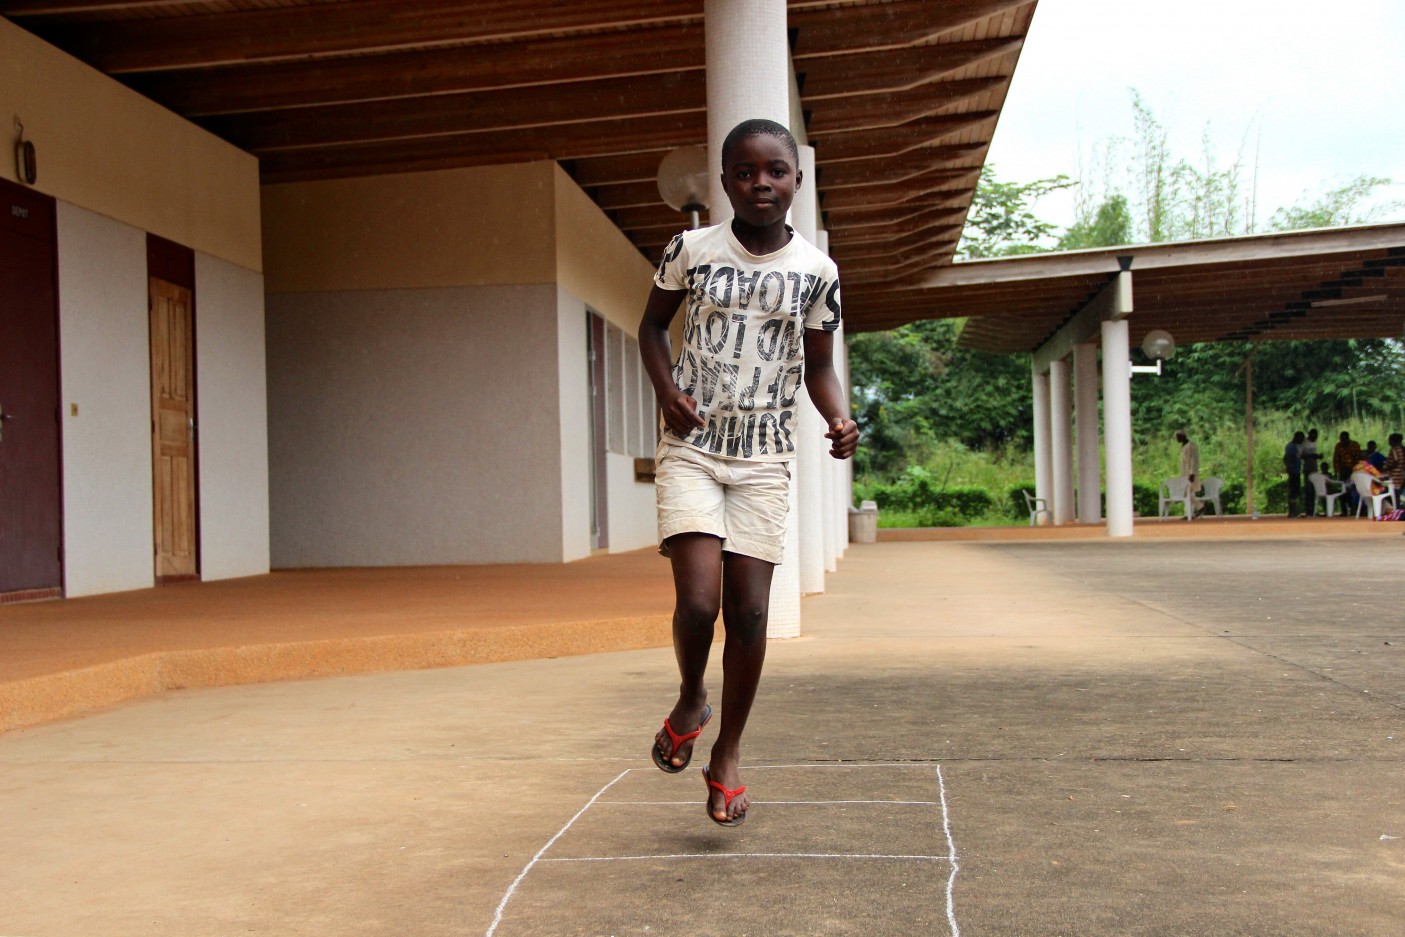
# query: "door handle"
[[3, 417]]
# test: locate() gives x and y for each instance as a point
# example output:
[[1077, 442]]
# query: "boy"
[[753, 289]]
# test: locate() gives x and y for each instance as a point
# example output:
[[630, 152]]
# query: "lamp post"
[[683, 181], [1159, 346]]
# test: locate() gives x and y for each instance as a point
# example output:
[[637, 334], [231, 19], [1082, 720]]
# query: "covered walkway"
[[1155, 735]]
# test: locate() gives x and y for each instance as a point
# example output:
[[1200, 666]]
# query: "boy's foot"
[[673, 751], [726, 804]]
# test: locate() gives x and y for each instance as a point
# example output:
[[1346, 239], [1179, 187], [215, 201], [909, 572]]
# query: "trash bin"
[[863, 523]]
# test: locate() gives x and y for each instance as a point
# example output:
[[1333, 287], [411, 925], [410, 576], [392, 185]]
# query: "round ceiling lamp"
[[1159, 345], [683, 180]]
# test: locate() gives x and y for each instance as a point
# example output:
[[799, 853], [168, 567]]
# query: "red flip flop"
[[728, 796], [663, 760]]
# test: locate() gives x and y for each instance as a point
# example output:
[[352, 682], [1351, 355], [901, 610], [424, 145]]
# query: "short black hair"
[[1394, 439], [759, 127]]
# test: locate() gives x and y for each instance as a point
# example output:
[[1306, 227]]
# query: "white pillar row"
[[1117, 426], [1043, 461], [1086, 424], [809, 465], [748, 75], [839, 471], [1061, 439]]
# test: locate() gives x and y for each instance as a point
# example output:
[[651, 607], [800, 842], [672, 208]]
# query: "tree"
[[914, 386], [1344, 205], [1109, 225], [1002, 221]]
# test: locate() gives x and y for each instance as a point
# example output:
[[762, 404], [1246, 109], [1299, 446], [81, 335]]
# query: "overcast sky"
[[1314, 88]]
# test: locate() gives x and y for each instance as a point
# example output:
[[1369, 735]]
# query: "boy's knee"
[[696, 612], [747, 618]]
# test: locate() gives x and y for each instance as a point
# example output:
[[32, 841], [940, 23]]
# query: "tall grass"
[[1224, 453]]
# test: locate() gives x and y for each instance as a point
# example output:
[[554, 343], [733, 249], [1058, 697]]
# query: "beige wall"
[[110, 151], [484, 226], [595, 262], [414, 426]]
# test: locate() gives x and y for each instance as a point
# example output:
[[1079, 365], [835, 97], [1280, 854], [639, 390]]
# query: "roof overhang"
[[1324, 283]]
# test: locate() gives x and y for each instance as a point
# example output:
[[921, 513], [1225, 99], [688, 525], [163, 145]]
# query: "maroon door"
[[31, 519]]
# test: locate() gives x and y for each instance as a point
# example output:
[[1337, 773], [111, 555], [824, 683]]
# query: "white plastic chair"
[[1175, 490], [1362, 481], [1036, 507], [1328, 499], [1211, 493]]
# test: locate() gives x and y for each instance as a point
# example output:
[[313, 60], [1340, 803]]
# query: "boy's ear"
[[799, 179]]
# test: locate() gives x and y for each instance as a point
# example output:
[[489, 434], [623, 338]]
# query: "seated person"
[[1374, 455], [1377, 476]]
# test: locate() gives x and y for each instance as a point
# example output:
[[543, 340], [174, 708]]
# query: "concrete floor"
[[1155, 736]]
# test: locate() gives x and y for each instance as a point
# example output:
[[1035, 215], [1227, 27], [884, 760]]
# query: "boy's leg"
[[746, 591], [697, 584]]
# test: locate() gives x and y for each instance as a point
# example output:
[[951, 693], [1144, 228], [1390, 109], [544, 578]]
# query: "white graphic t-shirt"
[[743, 348]]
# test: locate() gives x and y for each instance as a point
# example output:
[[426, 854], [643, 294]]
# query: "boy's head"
[[756, 127], [760, 171]]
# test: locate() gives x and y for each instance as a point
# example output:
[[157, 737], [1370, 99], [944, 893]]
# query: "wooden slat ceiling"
[[1335, 283], [900, 98]]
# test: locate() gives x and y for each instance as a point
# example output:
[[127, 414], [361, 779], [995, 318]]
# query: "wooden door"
[[173, 431], [31, 494]]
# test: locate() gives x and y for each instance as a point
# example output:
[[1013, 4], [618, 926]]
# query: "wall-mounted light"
[[1159, 346], [26, 161], [683, 181]]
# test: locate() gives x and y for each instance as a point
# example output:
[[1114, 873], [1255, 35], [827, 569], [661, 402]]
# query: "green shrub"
[[916, 493], [1015, 506]]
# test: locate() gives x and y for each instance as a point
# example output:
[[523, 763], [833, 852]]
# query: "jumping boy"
[[762, 307]]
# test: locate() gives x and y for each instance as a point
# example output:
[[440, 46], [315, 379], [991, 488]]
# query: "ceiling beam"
[[488, 111], [886, 25], [835, 76], [231, 89], [330, 29], [866, 112], [896, 141], [958, 157], [565, 141]]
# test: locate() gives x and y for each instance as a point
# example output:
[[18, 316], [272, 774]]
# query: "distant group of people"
[[1303, 461]]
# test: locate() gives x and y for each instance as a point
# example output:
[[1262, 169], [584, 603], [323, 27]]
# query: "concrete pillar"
[[809, 467], [748, 75], [1086, 424], [1117, 426], [1061, 439], [1043, 461]]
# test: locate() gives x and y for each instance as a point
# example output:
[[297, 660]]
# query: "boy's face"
[[761, 180]]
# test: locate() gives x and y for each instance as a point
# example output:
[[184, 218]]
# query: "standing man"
[[1293, 462], [1308, 451], [1190, 469]]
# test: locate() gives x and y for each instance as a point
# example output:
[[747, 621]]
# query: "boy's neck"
[[763, 240]]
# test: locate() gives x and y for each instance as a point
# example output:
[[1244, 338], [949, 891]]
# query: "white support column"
[[809, 466], [1061, 439], [844, 471], [748, 75], [1043, 461], [1086, 423], [836, 525], [1117, 426]]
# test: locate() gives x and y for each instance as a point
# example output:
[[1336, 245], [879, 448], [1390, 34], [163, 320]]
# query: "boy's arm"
[[826, 394], [680, 412]]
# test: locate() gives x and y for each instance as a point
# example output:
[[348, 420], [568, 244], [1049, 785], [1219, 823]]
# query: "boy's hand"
[[680, 415], [844, 438]]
